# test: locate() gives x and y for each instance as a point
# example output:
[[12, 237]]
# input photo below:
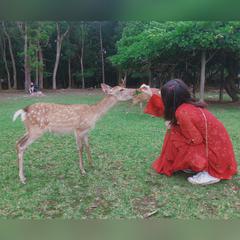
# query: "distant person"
[[196, 141], [31, 89]]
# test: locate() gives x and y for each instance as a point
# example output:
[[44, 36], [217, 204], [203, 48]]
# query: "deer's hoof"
[[83, 172], [23, 180]]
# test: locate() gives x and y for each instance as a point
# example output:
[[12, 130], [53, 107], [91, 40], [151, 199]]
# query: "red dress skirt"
[[198, 142]]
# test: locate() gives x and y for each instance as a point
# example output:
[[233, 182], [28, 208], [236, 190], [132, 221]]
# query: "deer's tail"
[[18, 113]]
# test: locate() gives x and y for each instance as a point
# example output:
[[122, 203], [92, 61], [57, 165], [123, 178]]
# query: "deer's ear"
[[122, 83], [105, 88]]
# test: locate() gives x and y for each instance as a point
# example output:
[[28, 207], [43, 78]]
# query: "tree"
[[102, 52], [68, 54], [59, 40], [183, 44], [82, 53], [78, 60], [39, 34], [23, 27], [11, 54], [3, 50]]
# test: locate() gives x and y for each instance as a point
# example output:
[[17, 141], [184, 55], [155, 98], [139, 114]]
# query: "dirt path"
[[19, 94], [7, 95]]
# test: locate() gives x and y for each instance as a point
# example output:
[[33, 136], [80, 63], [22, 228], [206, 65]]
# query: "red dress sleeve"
[[155, 106], [188, 129]]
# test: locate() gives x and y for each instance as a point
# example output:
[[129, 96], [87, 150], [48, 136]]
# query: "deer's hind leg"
[[20, 143], [79, 142], [21, 146], [89, 155]]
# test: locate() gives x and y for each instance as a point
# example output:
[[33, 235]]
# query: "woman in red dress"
[[195, 140]]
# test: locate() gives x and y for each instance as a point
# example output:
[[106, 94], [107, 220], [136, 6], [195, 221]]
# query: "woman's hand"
[[146, 89], [168, 125]]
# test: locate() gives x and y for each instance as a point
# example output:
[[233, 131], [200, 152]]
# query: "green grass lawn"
[[121, 184]]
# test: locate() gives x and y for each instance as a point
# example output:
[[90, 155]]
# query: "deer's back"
[[58, 117]]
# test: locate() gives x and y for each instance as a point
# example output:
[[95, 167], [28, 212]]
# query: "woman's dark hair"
[[174, 93]]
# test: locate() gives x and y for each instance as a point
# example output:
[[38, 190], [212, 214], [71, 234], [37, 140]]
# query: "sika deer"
[[142, 97], [59, 118]]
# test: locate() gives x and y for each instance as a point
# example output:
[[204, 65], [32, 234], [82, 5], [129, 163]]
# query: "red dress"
[[186, 145]]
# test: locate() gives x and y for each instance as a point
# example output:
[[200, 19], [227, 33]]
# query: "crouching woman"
[[195, 141]]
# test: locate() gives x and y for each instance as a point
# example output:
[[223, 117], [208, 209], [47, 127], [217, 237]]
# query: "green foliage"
[[42, 35], [144, 43], [134, 47], [39, 34], [88, 73]]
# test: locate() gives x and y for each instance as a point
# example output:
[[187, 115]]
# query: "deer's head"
[[121, 93]]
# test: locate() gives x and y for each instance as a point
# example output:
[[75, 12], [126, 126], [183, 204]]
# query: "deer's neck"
[[104, 105]]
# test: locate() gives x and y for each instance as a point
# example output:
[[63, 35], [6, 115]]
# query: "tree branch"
[[20, 27], [211, 56], [66, 32]]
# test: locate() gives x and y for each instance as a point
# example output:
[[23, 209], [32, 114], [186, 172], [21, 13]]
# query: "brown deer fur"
[[143, 97], [59, 118]]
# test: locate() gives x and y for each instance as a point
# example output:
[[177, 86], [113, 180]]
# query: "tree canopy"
[[177, 47], [84, 54]]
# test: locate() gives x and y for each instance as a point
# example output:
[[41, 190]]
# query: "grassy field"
[[121, 184]]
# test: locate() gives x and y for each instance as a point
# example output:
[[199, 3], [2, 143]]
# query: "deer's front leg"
[[89, 155], [80, 151], [20, 151], [22, 144]]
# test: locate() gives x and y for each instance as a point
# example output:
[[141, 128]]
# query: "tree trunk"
[[58, 51], [82, 72], [102, 53], [69, 74], [28, 71], [59, 40], [40, 56], [230, 88], [37, 69], [229, 85], [124, 80], [27, 68], [150, 77], [160, 80], [194, 84], [233, 86], [230, 91], [54, 85], [119, 75], [12, 56], [3, 46], [221, 85], [81, 58], [203, 75]]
